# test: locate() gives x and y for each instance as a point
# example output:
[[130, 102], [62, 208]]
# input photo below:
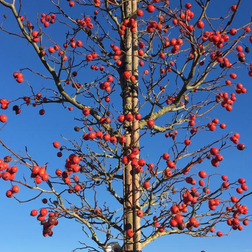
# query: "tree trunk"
[[130, 105]]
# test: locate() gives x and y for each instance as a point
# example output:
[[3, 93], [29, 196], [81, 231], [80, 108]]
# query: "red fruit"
[[6, 176], [106, 137], [239, 190], [121, 118], [127, 74], [43, 211], [214, 151], [216, 120], [241, 181], [86, 111], [138, 116], [170, 164], [166, 156], [225, 184], [9, 194], [188, 6], [146, 184], [200, 24], [219, 157], [130, 233], [173, 222], [179, 218], [140, 213], [244, 187], [234, 199], [58, 172], [92, 135], [15, 189], [77, 188], [168, 173], [41, 111], [34, 212], [202, 174], [113, 139], [219, 233], [35, 169], [224, 177], [51, 49], [3, 118], [71, 3], [129, 117], [35, 34], [232, 31], [223, 126], [161, 229], [141, 162], [140, 13], [233, 76], [150, 8], [174, 209], [42, 171], [150, 123], [45, 177], [56, 145], [233, 8], [187, 142], [240, 146], [214, 162], [44, 200], [201, 182], [192, 221]]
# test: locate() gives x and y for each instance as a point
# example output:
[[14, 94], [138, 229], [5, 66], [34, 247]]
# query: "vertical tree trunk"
[[135, 132], [130, 105]]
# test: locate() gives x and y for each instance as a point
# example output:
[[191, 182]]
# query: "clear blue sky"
[[22, 233]]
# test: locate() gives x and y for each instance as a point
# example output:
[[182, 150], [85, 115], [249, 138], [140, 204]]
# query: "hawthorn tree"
[[135, 71]]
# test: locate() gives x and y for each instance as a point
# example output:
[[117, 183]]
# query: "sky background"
[[22, 233]]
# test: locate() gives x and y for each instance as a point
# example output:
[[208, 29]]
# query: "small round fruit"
[[150, 123], [56, 144], [130, 233], [86, 111], [146, 184], [34, 212], [3, 118], [15, 189], [140, 213], [202, 174], [150, 8]]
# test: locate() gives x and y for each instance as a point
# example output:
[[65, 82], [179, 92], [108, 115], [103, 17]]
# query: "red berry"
[[56, 144], [146, 184], [3, 118], [214, 151], [200, 24], [150, 8], [150, 123], [202, 174], [130, 233], [34, 212]]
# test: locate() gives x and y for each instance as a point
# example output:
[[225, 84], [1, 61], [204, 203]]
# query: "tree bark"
[[130, 105]]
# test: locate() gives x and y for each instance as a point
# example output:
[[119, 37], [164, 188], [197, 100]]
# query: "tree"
[[154, 71]]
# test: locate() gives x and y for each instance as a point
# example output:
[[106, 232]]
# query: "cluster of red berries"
[[39, 174], [48, 224], [47, 19], [18, 76], [86, 22]]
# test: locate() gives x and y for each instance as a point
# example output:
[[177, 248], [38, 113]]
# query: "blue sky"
[[19, 231]]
